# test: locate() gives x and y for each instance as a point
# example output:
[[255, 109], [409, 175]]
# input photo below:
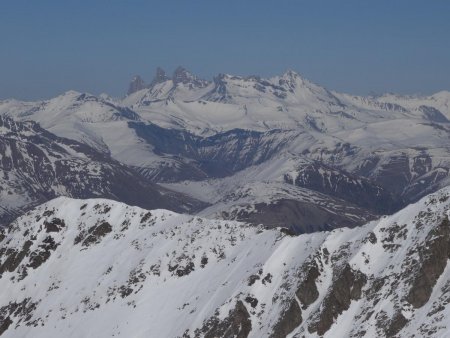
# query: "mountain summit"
[[182, 75], [160, 76], [136, 84]]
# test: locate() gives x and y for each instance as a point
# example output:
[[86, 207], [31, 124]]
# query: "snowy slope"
[[285, 102], [292, 191], [36, 166], [288, 102], [439, 101], [181, 127], [97, 268], [96, 121]]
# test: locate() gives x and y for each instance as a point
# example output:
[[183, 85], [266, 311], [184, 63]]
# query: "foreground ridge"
[[102, 268]]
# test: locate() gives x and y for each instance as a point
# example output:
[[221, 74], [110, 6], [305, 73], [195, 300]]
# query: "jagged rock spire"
[[136, 84], [160, 76], [182, 75]]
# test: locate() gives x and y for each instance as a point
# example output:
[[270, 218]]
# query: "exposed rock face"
[[302, 217], [160, 76], [36, 166], [355, 189], [433, 114], [220, 89], [94, 234], [196, 277], [237, 324], [136, 85], [397, 323], [218, 155], [307, 292], [14, 257], [433, 258], [290, 319], [346, 287], [182, 75]]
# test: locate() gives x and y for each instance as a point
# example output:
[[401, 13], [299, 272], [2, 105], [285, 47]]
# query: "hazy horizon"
[[98, 46]]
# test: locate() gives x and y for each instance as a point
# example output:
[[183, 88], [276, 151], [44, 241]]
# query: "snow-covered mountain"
[[295, 192], [96, 121], [36, 165], [375, 153], [282, 102], [101, 268]]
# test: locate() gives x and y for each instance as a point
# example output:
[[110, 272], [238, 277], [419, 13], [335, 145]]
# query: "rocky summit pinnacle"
[[136, 84], [182, 75], [160, 76]]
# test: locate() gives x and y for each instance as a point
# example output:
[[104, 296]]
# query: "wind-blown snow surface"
[[97, 268]]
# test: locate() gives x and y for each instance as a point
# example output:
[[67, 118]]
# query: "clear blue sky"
[[357, 46]]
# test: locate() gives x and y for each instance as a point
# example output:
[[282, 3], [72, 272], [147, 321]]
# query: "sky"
[[96, 46]]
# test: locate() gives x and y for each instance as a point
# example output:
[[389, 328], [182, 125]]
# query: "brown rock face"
[[136, 84], [94, 234], [14, 258], [160, 76], [5, 325], [54, 225], [346, 287], [290, 319], [397, 323], [236, 325], [433, 260], [307, 293], [22, 310]]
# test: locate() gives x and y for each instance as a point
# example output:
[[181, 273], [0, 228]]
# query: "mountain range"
[[278, 151], [238, 207]]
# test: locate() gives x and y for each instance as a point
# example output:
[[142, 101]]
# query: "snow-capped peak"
[[290, 74]]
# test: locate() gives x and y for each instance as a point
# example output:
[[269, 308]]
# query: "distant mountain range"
[[278, 151]]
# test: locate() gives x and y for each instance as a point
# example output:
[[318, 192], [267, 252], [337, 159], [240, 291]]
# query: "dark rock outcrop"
[[236, 325], [289, 320], [160, 76], [434, 255], [136, 85], [39, 165], [346, 286], [182, 75], [93, 234], [355, 189], [307, 292]]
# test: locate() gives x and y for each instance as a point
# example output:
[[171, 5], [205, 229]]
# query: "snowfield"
[[237, 142], [98, 268]]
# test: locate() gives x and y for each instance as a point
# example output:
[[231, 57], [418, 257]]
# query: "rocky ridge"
[[104, 268], [36, 166]]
